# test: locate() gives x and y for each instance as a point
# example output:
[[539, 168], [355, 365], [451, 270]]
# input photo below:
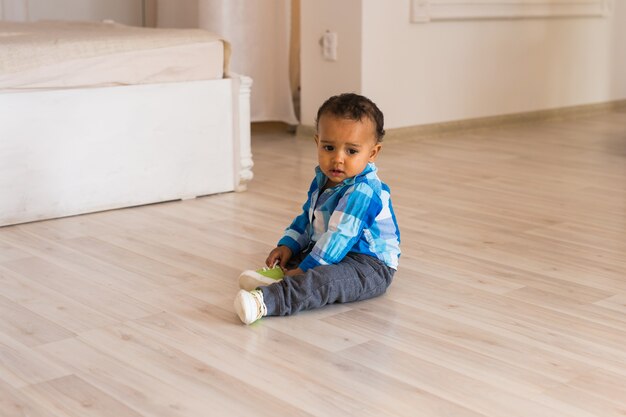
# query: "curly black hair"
[[354, 107]]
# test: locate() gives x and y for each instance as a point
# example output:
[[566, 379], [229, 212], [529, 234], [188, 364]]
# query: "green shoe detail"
[[251, 280], [273, 273]]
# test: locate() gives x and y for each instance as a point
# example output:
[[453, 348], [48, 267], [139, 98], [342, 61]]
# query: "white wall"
[[13, 10], [122, 11], [319, 78], [442, 71]]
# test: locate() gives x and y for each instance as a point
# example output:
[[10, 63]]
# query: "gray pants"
[[357, 277]]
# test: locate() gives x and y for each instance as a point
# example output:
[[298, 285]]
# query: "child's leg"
[[357, 277]]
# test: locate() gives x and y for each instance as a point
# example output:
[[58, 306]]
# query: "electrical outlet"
[[420, 11], [329, 46]]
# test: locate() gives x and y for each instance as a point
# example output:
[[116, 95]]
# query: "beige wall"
[[319, 78], [442, 71]]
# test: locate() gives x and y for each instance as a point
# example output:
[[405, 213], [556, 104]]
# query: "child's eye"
[[329, 148], [352, 151]]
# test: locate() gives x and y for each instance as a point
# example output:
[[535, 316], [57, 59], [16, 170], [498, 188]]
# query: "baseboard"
[[434, 129], [271, 127], [305, 131]]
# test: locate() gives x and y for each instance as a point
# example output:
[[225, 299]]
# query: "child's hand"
[[280, 254]]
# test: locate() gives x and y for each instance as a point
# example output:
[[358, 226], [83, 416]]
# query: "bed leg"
[[243, 150]]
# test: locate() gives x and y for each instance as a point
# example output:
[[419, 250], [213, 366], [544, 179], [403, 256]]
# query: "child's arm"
[[296, 236]]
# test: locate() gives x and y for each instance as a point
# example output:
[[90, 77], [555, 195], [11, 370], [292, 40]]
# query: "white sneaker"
[[251, 280], [249, 306]]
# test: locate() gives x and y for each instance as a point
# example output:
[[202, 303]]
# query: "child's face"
[[344, 147]]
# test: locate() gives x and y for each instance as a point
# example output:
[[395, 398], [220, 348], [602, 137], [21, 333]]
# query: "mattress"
[[59, 54]]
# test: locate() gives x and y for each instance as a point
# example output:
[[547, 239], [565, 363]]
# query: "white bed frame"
[[75, 151]]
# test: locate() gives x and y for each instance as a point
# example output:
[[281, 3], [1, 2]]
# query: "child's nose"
[[337, 157]]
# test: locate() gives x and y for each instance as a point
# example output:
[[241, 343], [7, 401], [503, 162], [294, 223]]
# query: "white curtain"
[[259, 33]]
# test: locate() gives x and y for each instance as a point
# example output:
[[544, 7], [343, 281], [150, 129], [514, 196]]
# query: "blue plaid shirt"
[[354, 216]]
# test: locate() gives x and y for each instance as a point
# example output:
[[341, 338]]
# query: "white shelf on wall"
[[423, 11]]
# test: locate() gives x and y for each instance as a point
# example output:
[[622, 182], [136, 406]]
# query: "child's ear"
[[374, 152]]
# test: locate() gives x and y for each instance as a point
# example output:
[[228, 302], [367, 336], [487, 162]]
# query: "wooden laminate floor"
[[510, 299]]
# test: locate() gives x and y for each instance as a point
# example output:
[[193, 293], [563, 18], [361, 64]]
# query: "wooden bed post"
[[243, 151]]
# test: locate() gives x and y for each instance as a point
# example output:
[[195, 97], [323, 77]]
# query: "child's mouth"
[[336, 172]]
